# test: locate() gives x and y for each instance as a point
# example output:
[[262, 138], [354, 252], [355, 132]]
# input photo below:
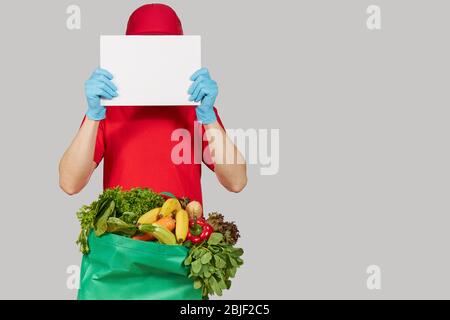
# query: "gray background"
[[363, 116]]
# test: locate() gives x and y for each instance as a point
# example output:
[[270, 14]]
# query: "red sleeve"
[[99, 142], [206, 155]]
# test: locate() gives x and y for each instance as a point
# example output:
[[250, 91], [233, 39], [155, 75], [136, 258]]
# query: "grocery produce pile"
[[144, 215]]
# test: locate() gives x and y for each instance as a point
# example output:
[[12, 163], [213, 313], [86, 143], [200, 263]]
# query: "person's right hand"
[[99, 86]]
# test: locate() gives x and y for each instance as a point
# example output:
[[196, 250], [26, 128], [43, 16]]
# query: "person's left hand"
[[205, 91]]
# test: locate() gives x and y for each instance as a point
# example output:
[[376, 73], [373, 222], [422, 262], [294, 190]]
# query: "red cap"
[[154, 19]]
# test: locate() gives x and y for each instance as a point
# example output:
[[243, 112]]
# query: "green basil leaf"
[[222, 284], [219, 262], [188, 260], [232, 272], [215, 238], [215, 286], [204, 269], [233, 262], [198, 253], [197, 284], [196, 266], [206, 258], [237, 252], [214, 249], [208, 287]]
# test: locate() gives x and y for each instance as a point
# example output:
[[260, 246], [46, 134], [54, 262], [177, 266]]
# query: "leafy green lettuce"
[[126, 206]]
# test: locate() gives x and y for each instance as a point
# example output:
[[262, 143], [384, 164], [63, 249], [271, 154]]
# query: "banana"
[[150, 217], [169, 207], [182, 225], [162, 234]]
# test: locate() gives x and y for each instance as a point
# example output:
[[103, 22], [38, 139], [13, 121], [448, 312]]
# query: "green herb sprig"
[[212, 264]]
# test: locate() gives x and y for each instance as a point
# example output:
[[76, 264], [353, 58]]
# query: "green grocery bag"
[[120, 268]]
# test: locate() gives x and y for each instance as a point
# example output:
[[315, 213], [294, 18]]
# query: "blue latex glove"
[[204, 89], [98, 86]]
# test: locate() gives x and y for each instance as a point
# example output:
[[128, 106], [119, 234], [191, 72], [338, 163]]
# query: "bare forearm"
[[230, 166], [76, 165]]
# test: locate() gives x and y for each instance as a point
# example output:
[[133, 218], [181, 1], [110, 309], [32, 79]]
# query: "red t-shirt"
[[136, 146]]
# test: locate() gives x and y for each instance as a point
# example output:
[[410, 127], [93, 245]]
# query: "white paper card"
[[151, 70]]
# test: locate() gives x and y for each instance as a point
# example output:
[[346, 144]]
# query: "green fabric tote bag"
[[120, 268]]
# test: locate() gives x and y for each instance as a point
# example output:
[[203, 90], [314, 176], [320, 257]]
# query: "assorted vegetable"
[[159, 232], [127, 206], [199, 230], [228, 229], [194, 209], [144, 215]]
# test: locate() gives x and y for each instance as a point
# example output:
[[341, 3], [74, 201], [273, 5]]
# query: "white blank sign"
[[150, 70]]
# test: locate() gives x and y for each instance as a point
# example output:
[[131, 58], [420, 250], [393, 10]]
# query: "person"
[[135, 141]]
